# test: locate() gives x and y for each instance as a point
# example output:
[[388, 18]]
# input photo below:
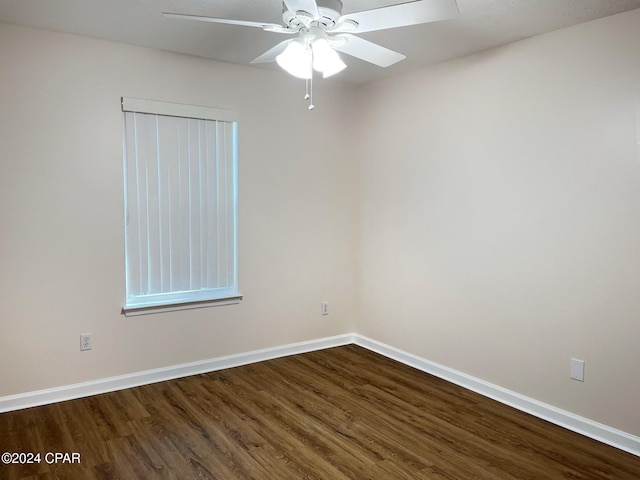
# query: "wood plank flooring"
[[342, 413]]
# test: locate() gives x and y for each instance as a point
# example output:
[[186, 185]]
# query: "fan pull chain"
[[309, 81], [311, 105], [309, 92]]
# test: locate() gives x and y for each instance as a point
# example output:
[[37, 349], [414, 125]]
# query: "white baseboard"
[[95, 387], [603, 433], [597, 431]]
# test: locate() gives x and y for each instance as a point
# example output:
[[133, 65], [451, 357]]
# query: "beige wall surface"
[[501, 216], [481, 213], [61, 210]]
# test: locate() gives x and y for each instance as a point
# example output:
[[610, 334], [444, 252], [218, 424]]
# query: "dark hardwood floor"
[[341, 413]]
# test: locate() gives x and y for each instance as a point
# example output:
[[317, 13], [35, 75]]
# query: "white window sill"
[[149, 309]]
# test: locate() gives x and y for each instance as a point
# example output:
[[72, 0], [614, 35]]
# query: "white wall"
[[501, 216], [61, 210]]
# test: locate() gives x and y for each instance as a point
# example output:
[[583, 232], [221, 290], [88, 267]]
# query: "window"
[[180, 175]]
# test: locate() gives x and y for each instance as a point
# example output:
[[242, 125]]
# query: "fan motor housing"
[[330, 12]]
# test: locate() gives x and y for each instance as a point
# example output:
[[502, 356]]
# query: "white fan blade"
[[405, 14], [309, 6], [244, 23], [367, 51], [271, 54]]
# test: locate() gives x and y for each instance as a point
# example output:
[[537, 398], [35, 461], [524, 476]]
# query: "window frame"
[[180, 300]]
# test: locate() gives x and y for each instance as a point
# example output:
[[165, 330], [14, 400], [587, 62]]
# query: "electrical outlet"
[[325, 308], [577, 369], [85, 341]]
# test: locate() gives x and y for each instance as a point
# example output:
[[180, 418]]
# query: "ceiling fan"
[[320, 30]]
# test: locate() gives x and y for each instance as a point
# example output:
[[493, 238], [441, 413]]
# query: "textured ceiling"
[[482, 24]]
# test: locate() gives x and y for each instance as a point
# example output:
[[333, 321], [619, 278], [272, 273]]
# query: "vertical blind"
[[180, 207]]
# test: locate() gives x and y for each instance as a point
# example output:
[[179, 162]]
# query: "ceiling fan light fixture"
[[323, 31], [296, 59], [325, 59]]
